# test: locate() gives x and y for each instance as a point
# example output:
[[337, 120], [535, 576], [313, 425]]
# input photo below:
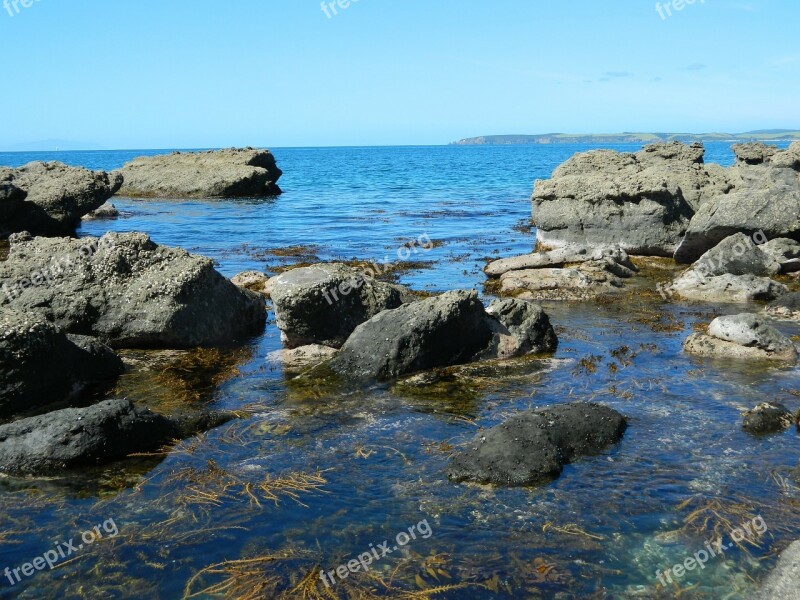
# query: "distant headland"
[[763, 135]]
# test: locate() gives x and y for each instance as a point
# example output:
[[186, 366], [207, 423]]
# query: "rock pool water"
[[309, 478]]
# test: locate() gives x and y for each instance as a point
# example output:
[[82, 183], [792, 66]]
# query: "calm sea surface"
[[684, 474]]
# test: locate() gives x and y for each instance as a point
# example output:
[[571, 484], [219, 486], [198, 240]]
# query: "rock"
[[128, 291], [76, 437], [444, 330], [255, 281], [785, 252], [768, 417], [737, 255], [519, 328], [41, 366], [533, 446], [642, 201], [229, 173], [743, 336], [584, 282], [106, 212], [559, 258], [324, 303], [57, 197], [302, 358], [765, 198], [786, 306], [753, 153], [783, 583]]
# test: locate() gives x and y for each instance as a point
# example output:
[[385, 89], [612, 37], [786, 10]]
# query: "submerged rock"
[[743, 336], [767, 417], [228, 173], [642, 201], [533, 446], [39, 365], [56, 197], [299, 359], [324, 303], [128, 291], [783, 583], [76, 437]]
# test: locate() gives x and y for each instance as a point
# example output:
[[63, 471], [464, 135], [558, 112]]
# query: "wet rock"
[[786, 306], [106, 212], [783, 583], [302, 358], [533, 446], [128, 291], [559, 258], [255, 281], [235, 172], [767, 417], [445, 330], [324, 303], [743, 336], [39, 365], [519, 328], [642, 201], [765, 197], [57, 196], [76, 437], [785, 252]]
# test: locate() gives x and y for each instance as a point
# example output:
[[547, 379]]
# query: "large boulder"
[[57, 196], [783, 583], [39, 365], [236, 172], [324, 303], [444, 330], [765, 197], [519, 328], [533, 446], [76, 437], [128, 291], [743, 336], [642, 201]]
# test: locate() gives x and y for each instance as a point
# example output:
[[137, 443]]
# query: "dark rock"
[[445, 330], [57, 197], [786, 306], [128, 291], [768, 417], [519, 328], [39, 365], [324, 303], [235, 172], [534, 446]]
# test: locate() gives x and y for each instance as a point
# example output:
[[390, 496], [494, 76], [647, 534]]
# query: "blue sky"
[[180, 73]]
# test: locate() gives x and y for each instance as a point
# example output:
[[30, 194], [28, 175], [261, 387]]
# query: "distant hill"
[[764, 135]]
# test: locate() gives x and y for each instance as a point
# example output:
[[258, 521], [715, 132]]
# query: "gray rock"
[[743, 336], [57, 197], [739, 289], [533, 446], [228, 173], [783, 583], [786, 306], [642, 201], [767, 417], [558, 258], [324, 303], [584, 282], [519, 328], [39, 365], [128, 291], [106, 212], [753, 153], [445, 330], [737, 255], [76, 437], [785, 252]]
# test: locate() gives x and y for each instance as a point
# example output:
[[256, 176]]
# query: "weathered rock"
[[76, 437], [743, 336], [440, 331], [737, 255], [786, 306], [753, 153], [39, 365], [302, 358], [533, 446], [254, 281], [783, 583], [57, 197], [519, 328], [128, 291], [767, 417], [216, 174], [558, 258], [642, 201], [785, 252], [106, 212], [765, 198], [324, 303], [584, 282]]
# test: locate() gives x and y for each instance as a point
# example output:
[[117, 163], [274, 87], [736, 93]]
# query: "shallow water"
[[684, 473]]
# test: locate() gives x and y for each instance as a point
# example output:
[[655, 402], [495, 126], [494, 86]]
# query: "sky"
[[117, 74]]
